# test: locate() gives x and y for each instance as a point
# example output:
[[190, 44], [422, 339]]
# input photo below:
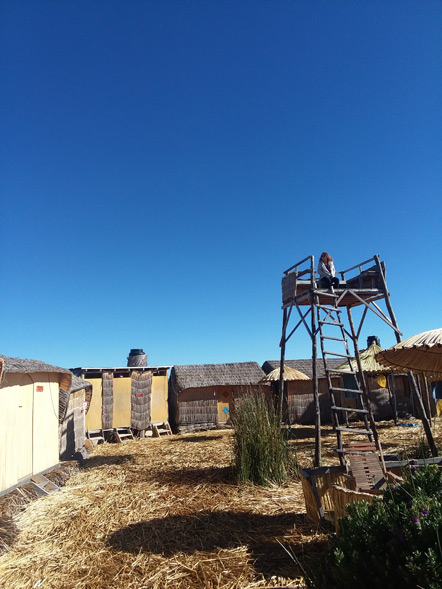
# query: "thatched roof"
[[24, 366], [289, 374], [206, 375], [421, 353], [305, 366], [77, 384], [369, 363]]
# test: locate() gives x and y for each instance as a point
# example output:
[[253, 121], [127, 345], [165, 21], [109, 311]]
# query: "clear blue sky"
[[163, 162]]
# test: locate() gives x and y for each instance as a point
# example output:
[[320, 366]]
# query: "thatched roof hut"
[[305, 366], [24, 366], [201, 395], [300, 396], [388, 388], [29, 418], [369, 363], [132, 397], [288, 374], [203, 375]]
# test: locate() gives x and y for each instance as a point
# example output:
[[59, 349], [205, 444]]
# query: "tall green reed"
[[261, 450]]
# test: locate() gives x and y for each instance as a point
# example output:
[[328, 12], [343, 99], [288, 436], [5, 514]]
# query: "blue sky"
[[163, 162]]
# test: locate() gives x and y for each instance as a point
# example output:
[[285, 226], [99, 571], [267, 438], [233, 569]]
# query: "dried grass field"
[[166, 513]]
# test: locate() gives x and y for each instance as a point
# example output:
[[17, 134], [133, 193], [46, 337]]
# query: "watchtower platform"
[[361, 284]]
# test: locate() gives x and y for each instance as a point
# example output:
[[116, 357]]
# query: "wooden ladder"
[[331, 331], [122, 433], [42, 485], [161, 428]]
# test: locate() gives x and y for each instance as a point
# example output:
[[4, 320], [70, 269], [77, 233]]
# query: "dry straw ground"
[[166, 513]]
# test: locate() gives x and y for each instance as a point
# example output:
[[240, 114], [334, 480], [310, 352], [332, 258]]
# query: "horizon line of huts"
[[48, 411]]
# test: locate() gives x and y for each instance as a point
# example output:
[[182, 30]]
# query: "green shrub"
[[261, 448], [396, 541]]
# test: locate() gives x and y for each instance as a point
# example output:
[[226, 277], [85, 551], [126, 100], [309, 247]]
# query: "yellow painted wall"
[[122, 402], [121, 415], [93, 417], [29, 426], [25, 394], [9, 452], [45, 431], [160, 410]]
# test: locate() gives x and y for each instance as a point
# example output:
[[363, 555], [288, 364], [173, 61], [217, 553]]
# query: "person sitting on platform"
[[326, 271]]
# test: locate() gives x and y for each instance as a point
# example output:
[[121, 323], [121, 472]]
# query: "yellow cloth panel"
[[93, 417], [160, 410], [439, 407], [122, 388]]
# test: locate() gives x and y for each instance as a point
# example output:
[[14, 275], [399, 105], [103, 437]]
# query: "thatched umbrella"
[[288, 374], [421, 353]]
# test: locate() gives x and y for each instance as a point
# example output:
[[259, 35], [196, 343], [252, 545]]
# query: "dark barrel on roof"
[[137, 358]]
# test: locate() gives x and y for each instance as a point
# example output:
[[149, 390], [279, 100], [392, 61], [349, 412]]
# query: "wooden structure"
[[388, 389], [73, 407], [133, 397], [327, 314], [300, 406], [29, 415], [201, 396]]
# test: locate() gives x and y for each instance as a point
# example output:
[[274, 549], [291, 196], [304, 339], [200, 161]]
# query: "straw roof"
[[77, 384], [305, 366], [205, 375], [289, 374], [369, 363], [421, 352], [24, 366]]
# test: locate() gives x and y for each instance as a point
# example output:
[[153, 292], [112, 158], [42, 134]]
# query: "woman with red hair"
[[326, 271]]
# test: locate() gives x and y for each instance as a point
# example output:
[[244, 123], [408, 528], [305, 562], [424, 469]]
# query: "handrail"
[[298, 264], [342, 272]]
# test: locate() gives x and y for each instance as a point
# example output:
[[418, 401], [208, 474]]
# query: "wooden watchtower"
[[327, 315]]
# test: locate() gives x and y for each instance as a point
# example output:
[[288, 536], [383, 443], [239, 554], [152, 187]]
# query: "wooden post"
[[281, 366], [318, 450], [392, 391], [424, 419]]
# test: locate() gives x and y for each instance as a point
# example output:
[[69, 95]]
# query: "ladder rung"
[[354, 431], [334, 323], [340, 371], [349, 409], [325, 293], [336, 339], [336, 354], [346, 451], [329, 308], [357, 391]]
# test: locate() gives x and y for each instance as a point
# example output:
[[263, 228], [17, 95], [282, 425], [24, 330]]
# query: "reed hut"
[[129, 397], [29, 414], [301, 405], [73, 407], [388, 389], [201, 396]]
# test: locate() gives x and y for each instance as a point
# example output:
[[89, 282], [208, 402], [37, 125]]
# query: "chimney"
[[137, 358], [373, 338]]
